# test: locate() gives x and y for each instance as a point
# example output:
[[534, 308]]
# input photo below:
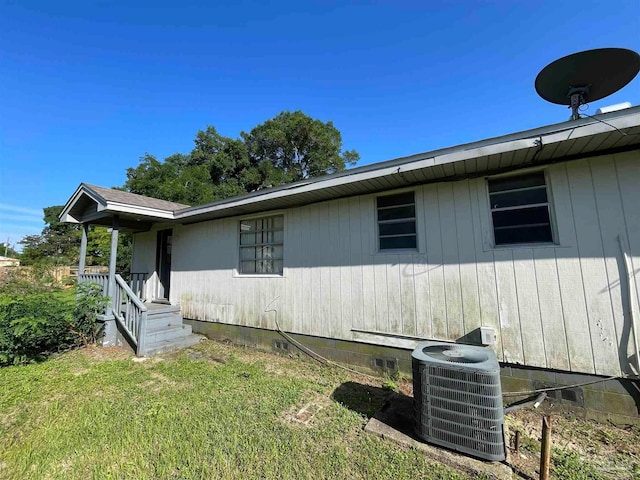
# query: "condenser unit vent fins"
[[458, 399]]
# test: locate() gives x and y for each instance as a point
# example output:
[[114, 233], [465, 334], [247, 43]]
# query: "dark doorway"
[[163, 264]]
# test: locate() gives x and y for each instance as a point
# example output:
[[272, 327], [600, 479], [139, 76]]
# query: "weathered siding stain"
[[559, 306]]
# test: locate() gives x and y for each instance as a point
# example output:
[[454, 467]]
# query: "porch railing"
[[101, 279], [131, 313], [137, 283], [126, 306]]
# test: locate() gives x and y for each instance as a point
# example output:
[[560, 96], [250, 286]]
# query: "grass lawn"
[[213, 411]]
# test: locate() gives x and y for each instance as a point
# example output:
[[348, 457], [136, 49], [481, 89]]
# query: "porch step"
[[171, 332], [158, 321], [160, 308], [165, 330], [164, 346]]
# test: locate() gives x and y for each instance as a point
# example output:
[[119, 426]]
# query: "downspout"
[[629, 274]]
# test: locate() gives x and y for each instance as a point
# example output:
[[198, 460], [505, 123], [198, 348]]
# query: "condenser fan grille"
[[455, 354]]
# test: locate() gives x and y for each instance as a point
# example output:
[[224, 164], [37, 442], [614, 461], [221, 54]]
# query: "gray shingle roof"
[[112, 195]]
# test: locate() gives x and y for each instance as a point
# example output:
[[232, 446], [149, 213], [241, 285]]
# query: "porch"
[[139, 313], [147, 327]]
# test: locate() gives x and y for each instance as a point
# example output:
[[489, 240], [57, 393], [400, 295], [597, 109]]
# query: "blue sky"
[[87, 87]]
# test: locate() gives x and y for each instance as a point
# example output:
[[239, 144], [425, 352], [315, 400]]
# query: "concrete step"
[[172, 332], [164, 346]]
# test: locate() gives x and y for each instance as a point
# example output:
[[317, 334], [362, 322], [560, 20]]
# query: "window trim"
[[415, 218], [238, 221], [555, 237]]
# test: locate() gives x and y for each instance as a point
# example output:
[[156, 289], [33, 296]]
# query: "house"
[[534, 236]]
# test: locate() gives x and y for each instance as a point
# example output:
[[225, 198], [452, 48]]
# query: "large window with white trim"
[[261, 245], [397, 221], [520, 209]]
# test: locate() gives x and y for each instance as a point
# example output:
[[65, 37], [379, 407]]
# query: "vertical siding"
[[628, 175], [592, 266], [450, 259], [435, 265], [485, 265], [574, 310], [551, 319], [467, 257], [612, 225], [561, 306]]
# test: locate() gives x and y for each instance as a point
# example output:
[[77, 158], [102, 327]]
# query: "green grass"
[[220, 413]]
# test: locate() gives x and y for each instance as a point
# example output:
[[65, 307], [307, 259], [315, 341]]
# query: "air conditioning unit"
[[458, 399]]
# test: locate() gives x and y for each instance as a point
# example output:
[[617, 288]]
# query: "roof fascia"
[[82, 189], [117, 207]]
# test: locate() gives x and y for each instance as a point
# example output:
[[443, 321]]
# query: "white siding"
[[560, 306]]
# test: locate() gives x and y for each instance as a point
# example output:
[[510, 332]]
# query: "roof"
[[98, 205], [573, 139], [120, 196]]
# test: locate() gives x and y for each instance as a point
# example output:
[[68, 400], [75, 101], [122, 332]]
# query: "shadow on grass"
[[394, 409]]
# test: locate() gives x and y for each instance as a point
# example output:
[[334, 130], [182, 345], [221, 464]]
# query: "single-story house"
[[533, 236]]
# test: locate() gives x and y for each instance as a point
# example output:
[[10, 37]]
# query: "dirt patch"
[[8, 419], [602, 450], [101, 354], [305, 412]]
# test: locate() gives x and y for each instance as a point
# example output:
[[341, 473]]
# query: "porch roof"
[[97, 205], [614, 131]]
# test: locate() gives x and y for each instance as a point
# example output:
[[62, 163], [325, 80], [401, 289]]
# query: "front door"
[[163, 264]]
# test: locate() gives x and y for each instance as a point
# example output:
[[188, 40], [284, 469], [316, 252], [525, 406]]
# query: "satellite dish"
[[587, 76]]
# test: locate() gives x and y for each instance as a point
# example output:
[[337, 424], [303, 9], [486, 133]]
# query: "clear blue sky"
[[87, 87]]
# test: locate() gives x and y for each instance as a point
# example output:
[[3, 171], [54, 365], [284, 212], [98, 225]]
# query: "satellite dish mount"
[[587, 76], [577, 97]]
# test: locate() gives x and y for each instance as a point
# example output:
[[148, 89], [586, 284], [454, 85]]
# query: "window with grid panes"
[[397, 221], [261, 242], [520, 209]]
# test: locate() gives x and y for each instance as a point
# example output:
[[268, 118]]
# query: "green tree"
[[293, 146], [59, 244], [231, 172], [289, 147], [176, 179]]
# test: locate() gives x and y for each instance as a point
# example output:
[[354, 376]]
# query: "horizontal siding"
[[564, 306]]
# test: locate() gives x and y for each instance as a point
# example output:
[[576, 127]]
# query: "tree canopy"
[[289, 147], [59, 244]]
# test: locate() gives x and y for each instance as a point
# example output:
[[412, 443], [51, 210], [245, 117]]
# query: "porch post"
[[112, 258], [83, 249]]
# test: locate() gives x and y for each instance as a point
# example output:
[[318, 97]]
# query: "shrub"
[[26, 280], [89, 304], [35, 325]]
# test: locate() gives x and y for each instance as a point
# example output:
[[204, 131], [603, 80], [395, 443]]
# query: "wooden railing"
[[131, 313], [125, 305], [101, 279], [137, 283]]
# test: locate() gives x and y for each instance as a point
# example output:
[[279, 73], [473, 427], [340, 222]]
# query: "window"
[[397, 221], [520, 209], [261, 241]]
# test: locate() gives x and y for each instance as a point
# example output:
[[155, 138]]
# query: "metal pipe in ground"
[[545, 451]]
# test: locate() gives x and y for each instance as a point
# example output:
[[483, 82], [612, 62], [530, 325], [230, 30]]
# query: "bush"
[[27, 280], [35, 325], [89, 304]]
